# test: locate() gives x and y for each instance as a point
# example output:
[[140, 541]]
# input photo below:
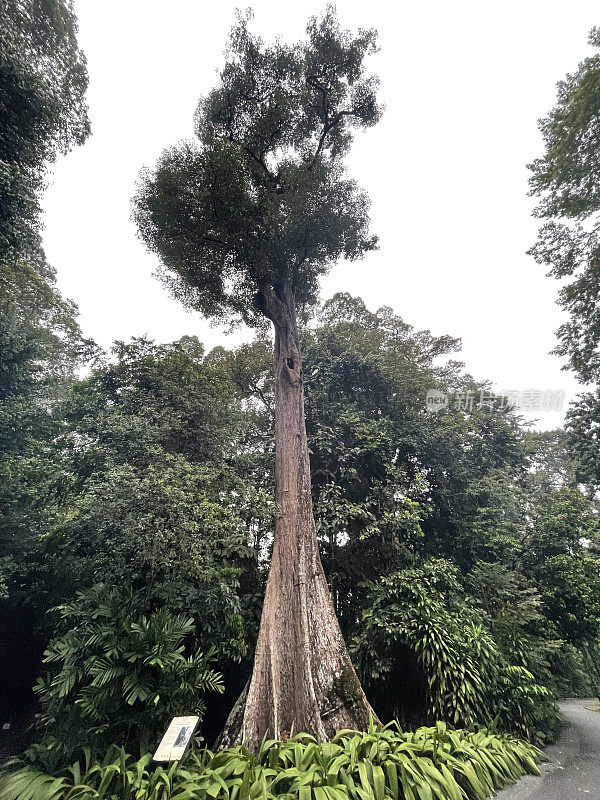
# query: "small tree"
[[245, 220]]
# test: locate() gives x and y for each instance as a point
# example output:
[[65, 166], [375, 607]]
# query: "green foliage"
[[570, 589], [523, 706], [116, 674], [261, 200], [389, 478], [43, 80], [373, 459], [138, 499], [382, 763], [424, 612], [566, 178], [575, 671], [393, 484], [154, 396], [162, 532], [42, 111], [461, 554], [513, 611], [582, 422], [562, 521], [413, 609], [157, 478], [567, 181]]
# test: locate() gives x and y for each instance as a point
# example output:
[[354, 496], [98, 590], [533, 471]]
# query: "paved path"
[[573, 771]]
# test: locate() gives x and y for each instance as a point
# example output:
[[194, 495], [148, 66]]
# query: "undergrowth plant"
[[433, 763], [117, 674], [468, 679]]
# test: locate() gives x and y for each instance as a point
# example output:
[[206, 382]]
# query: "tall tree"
[[245, 220], [567, 181], [42, 112], [43, 80]]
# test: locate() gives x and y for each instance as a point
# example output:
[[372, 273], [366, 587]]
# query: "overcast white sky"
[[463, 82]]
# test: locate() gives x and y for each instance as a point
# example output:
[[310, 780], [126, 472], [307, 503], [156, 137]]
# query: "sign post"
[[176, 739]]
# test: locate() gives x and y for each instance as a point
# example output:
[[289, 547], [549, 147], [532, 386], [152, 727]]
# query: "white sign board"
[[176, 739]]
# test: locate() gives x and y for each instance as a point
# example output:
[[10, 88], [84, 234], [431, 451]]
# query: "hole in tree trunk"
[[290, 363]]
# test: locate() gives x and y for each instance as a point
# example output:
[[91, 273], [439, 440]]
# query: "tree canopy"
[[261, 198], [43, 80], [567, 181]]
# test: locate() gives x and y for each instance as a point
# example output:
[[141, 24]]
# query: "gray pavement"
[[573, 769]]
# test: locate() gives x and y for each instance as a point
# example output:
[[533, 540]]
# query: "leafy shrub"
[[159, 525], [574, 672], [417, 608], [382, 763], [523, 706], [468, 680], [119, 674]]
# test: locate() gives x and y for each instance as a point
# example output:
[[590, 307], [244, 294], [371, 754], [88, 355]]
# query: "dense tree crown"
[[261, 199], [567, 181], [42, 107]]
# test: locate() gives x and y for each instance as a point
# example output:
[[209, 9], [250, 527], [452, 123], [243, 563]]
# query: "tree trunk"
[[303, 679]]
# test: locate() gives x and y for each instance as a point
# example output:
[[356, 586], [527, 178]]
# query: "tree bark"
[[303, 679]]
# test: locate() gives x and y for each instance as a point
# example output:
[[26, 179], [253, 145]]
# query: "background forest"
[[136, 511]]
